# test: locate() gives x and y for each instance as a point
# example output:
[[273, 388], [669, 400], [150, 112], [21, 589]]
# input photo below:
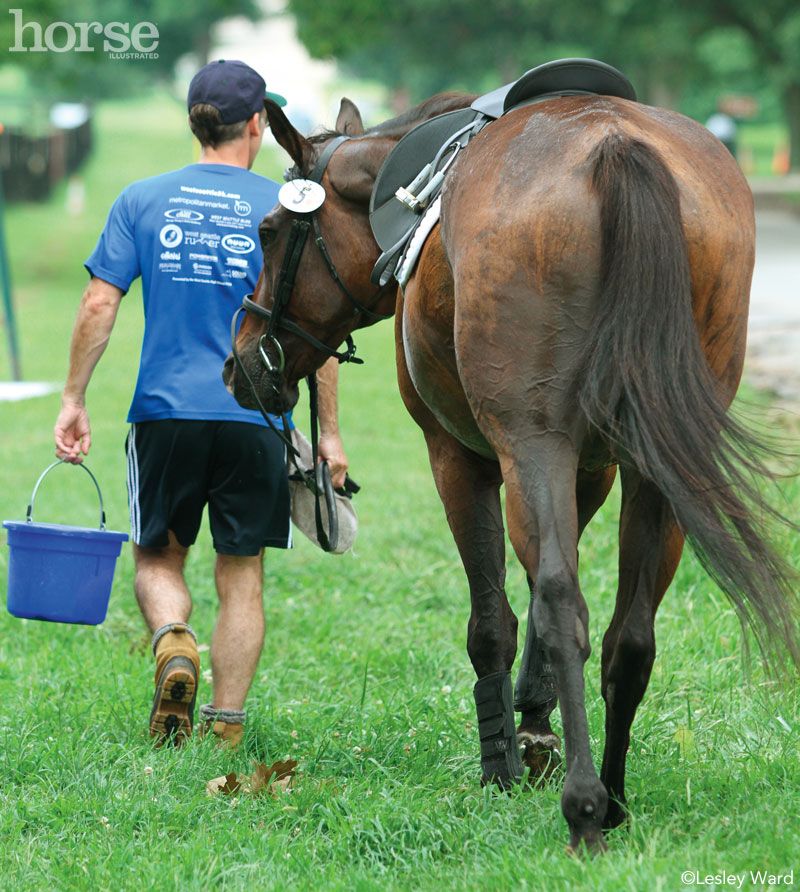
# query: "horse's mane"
[[400, 125], [435, 105]]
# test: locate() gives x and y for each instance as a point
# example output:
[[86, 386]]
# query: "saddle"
[[412, 176]]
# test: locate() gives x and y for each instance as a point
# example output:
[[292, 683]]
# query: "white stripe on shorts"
[[133, 486], [289, 539]]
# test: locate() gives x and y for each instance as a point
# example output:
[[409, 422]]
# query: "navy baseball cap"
[[236, 90]]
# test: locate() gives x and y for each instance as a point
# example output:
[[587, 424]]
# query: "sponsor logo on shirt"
[[171, 235], [236, 261], [230, 222], [217, 193], [170, 255], [242, 208], [183, 214], [238, 244], [209, 239], [210, 258], [198, 202]]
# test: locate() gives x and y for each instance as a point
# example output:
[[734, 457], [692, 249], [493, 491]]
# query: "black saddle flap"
[[391, 219]]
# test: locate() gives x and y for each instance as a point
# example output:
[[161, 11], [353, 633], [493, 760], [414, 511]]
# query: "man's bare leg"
[[236, 644], [166, 605]]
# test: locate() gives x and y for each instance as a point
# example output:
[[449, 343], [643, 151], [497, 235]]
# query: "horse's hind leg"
[[469, 487], [535, 698], [535, 689], [650, 549], [543, 524]]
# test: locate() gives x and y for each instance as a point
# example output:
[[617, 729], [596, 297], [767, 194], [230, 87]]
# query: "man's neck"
[[235, 154]]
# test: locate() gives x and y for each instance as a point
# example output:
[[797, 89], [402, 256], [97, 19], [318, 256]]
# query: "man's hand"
[[73, 433], [330, 442], [96, 315], [330, 449]]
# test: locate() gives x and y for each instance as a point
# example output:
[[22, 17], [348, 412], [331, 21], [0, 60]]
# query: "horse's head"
[[313, 291]]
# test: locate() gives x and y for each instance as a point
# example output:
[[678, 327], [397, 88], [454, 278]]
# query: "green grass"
[[364, 676]]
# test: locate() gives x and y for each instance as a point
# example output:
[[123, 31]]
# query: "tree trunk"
[[791, 108]]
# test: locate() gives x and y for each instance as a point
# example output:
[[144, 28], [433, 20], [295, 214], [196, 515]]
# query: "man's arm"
[[96, 316], [330, 441]]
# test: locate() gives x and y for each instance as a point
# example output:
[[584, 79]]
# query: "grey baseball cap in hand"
[[303, 503], [235, 89]]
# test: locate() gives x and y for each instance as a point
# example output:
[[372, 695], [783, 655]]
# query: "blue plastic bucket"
[[58, 573]]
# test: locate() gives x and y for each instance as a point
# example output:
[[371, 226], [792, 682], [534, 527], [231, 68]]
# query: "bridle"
[[276, 317], [318, 481]]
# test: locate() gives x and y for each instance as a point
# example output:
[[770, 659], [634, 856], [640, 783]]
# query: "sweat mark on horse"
[[581, 306]]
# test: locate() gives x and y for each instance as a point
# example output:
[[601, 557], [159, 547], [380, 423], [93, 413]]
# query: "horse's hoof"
[[588, 847], [540, 753]]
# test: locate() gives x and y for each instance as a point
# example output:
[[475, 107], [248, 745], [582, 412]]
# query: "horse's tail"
[[650, 390]]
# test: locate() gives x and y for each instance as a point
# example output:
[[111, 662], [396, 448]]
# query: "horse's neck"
[[354, 177], [375, 146]]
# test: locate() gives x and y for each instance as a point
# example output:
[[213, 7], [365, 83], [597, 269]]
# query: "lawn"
[[364, 677]]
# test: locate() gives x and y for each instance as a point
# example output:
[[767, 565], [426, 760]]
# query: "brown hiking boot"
[[177, 668], [226, 725]]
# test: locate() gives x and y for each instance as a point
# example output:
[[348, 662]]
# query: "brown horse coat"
[[581, 305]]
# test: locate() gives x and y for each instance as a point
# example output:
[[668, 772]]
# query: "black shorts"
[[176, 467]]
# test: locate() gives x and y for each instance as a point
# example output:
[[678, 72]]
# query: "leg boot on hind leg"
[[494, 701]]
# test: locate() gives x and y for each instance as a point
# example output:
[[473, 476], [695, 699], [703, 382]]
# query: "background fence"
[[31, 165]]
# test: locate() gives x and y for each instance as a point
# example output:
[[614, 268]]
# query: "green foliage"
[[82, 75], [676, 53], [425, 45], [364, 675]]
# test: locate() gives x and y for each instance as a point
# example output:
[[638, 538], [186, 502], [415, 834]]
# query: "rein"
[[318, 478]]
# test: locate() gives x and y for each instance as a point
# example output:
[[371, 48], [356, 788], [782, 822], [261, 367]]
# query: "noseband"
[[286, 278]]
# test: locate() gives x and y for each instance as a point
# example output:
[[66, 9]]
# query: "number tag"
[[301, 196]]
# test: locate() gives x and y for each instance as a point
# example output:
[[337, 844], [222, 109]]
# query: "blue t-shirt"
[[192, 235]]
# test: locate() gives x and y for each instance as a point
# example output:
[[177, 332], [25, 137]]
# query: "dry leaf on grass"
[[277, 778], [272, 779], [228, 784]]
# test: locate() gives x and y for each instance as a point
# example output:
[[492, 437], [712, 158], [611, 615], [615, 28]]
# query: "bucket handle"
[[29, 514]]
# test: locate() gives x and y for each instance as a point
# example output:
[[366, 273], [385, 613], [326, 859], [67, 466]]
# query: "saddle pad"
[[429, 219]]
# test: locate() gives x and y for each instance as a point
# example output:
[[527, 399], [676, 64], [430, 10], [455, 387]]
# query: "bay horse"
[[581, 306]]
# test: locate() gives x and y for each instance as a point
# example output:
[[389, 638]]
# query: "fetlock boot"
[[177, 669], [500, 760], [226, 725]]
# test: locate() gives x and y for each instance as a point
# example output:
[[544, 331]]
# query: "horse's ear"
[[299, 148], [349, 121]]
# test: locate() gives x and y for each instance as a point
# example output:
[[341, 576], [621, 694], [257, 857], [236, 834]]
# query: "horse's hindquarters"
[[426, 350], [600, 256]]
